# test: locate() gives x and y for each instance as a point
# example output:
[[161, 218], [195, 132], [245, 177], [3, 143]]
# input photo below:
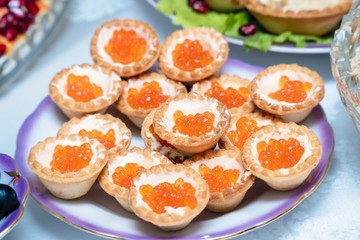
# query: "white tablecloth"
[[332, 211]]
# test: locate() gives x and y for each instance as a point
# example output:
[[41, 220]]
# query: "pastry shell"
[[108, 80], [170, 88], [209, 38], [311, 22], [227, 81], [261, 118], [68, 185], [102, 123], [289, 112], [144, 157], [104, 33], [231, 197], [191, 104], [286, 178], [169, 221]]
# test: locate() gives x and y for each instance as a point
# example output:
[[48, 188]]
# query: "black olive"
[[8, 200]]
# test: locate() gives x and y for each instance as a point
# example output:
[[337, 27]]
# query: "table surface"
[[330, 212]]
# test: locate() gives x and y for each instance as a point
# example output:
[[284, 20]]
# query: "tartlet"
[[64, 176], [84, 89], [193, 54], [230, 90], [192, 123], [169, 196], [287, 90], [243, 126], [283, 155], [109, 130], [145, 92], [129, 47], [155, 143], [223, 171], [117, 175], [305, 17]]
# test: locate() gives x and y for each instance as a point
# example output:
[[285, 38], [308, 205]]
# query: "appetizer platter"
[[120, 148]]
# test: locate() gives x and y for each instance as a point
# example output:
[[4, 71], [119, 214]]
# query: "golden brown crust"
[[67, 185], [72, 108], [170, 221], [121, 194], [123, 139], [257, 116], [291, 177], [283, 108], [235, 81], [128, 70], [230, 197], [207, 38], [314, 22], [190, 145]]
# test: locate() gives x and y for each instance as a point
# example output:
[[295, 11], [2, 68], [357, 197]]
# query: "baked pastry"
[[283, 155], [155, 143], [84, 89], [168, 195], [193, 54], [108, 130], [243, 126], [192, 123], [129, 47], [145, 92], [118, 174], [223, 171], [287, 90], [306, 17], [68, 165], [230, 90]]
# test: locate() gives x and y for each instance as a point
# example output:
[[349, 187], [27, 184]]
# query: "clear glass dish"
[[342, 51], [35, 37]]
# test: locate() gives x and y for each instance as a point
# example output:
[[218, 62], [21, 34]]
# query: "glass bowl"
[[343, 50]]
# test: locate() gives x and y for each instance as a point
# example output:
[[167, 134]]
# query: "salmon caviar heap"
[[81, 90], [277, 154], [71, 158], [230, 97], [189, 56], [163, 142], [126, 47], [218, 179], [108, 139], [245, 127], [176, 195], [150, 96], [291, 91], [193, 125], [123, 176]]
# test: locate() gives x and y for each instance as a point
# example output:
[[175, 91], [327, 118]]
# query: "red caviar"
[[282, 153], [108, 139], [81, 89], [193, 125], [126, 47], [218, 179], [291, 91], [229, 96], [71, 158], [245, 127], [178, 194], [150, 96], [190, 55], [124, 176]]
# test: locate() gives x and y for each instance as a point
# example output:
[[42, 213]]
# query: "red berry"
[[11, 34], [22, 27], [247, 29], [32, 7], [199, 6], [2, 49], [4, 3]]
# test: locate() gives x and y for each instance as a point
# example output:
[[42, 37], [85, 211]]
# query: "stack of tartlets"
[[181, 171]]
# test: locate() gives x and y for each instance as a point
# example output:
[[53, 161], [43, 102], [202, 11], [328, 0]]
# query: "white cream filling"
[[167, 88], [296, 6]]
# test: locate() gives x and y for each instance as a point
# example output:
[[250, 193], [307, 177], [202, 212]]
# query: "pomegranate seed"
[[247, 29], [29, 18], [17, 13], [200, 7], [11, 34], [22, 27], [16, 3], [3, 23], [32, 7], [2, 49], [4, 3], [191, 2]]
